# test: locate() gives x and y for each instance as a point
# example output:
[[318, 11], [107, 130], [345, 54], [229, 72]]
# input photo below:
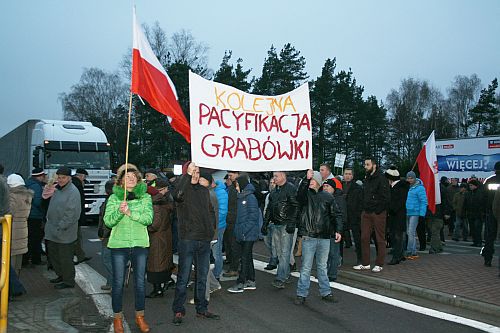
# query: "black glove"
[[290, 229], [263, 230]]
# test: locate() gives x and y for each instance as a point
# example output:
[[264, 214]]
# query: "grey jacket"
[[63, 214]]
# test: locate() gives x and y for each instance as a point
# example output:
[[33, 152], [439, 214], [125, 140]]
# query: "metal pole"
[[4, 275]]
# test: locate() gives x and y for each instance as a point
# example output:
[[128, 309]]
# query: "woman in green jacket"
[[128, 220]]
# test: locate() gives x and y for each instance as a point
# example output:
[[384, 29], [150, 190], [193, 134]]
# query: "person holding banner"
[[282, 211], [129, 211]]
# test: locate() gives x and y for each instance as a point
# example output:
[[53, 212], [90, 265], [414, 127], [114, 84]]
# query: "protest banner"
[[234, 130]]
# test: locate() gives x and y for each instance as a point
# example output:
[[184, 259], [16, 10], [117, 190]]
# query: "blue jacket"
[[222, 198], [416, 202], [36, 211], [248, 216]]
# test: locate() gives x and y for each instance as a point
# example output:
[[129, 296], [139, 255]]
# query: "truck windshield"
[[85, 159]]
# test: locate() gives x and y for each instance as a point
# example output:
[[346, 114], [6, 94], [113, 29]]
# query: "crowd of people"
[[148, 218]]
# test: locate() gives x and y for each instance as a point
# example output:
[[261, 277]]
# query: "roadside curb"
[[433, 295]]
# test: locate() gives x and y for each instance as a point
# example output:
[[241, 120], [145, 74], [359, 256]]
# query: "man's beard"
[[369, 171]]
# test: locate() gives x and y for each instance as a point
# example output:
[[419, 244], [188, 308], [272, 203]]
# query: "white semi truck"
[[51, 144]]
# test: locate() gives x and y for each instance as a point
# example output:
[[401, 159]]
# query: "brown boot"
[[118, 324], [141, 323]]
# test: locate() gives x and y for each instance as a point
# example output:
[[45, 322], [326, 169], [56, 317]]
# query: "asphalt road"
[[272, 310]]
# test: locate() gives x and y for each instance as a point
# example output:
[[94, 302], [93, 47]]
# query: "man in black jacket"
[[491, 185], [396, 214], [230, 245], [282, 212], [354, 200], [320, 220], [79, 181], [376, 196], [196, 229]]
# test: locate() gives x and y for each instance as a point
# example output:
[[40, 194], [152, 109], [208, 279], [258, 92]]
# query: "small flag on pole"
[[151, 82]]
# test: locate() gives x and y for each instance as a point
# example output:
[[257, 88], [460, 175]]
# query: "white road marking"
[[90, 281], [94, 240], [259, 265]]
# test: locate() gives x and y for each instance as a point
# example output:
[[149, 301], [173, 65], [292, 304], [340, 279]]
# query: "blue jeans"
[[217, 252], [106, 261], [411, 230], [198, 252], [460, 228], [319, 248], [333, 259], [268, 241], [283, 242], [119, 259]]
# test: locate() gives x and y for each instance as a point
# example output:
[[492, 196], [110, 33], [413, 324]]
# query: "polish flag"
[[428, 167], [151, 82]]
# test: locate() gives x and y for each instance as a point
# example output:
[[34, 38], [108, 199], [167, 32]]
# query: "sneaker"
[[250, 285], [299, 300], [278, 284], [207, 315], [377, 269], [239, 288], [177, 318], [106, 287], [270, 267], [361, 267], [329, 297], [230, 274]]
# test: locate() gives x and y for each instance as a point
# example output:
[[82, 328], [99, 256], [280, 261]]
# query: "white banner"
[[234, 130], [339, 160]]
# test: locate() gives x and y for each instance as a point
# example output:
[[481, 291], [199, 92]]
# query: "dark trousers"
[[232, 249], [79, 253], [198, 252], [61, 258], [35, 236], [476, 227], [247, 271], [421, 233], [356, 236], [490, 234], [397, 237], [373, 222]]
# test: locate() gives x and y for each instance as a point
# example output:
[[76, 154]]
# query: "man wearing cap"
[[35, 183], [79, 181], [491, 184], [61, 229], [396, 214], [151, 175]]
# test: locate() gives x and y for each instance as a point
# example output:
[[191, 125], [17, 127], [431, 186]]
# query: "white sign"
[[234, 130], [339, 160]]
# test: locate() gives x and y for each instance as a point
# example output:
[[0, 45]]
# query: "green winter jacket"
[[129, 231]]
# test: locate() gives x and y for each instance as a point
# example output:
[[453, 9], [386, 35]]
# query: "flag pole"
[[126, 147]]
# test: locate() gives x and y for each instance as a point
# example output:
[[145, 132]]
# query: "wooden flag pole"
[[126, 147]]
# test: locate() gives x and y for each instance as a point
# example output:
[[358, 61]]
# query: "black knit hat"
[[81, 171], [207, 175]]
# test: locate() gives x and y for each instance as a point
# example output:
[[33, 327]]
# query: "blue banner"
[[485, 163]]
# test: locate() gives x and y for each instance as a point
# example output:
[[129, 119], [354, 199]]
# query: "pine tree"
[[485, 115], [234, 76]]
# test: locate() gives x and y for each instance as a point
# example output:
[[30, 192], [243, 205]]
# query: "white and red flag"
[[151, 82], [428, 167]]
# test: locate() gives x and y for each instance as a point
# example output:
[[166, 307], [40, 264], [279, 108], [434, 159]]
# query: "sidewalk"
[[45, 309]]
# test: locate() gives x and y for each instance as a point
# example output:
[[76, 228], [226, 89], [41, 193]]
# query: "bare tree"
[[463, 96]]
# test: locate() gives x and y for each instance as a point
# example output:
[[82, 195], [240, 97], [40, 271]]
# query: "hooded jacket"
[[36, 186], [20, 204], [222, 198], [249, 215], [416, 202], [129, 231], [320, 215]]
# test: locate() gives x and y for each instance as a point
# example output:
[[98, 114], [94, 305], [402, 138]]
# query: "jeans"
[[460, 227], [319, 248], [283, 243], [175, 234], [106, 261], [268, 241], [247, 271], [217, 252], [119, 259], [333, 259], [411, 229], [15, 285], [198, 252]]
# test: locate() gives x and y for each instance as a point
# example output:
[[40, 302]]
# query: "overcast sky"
[[46, 44]]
